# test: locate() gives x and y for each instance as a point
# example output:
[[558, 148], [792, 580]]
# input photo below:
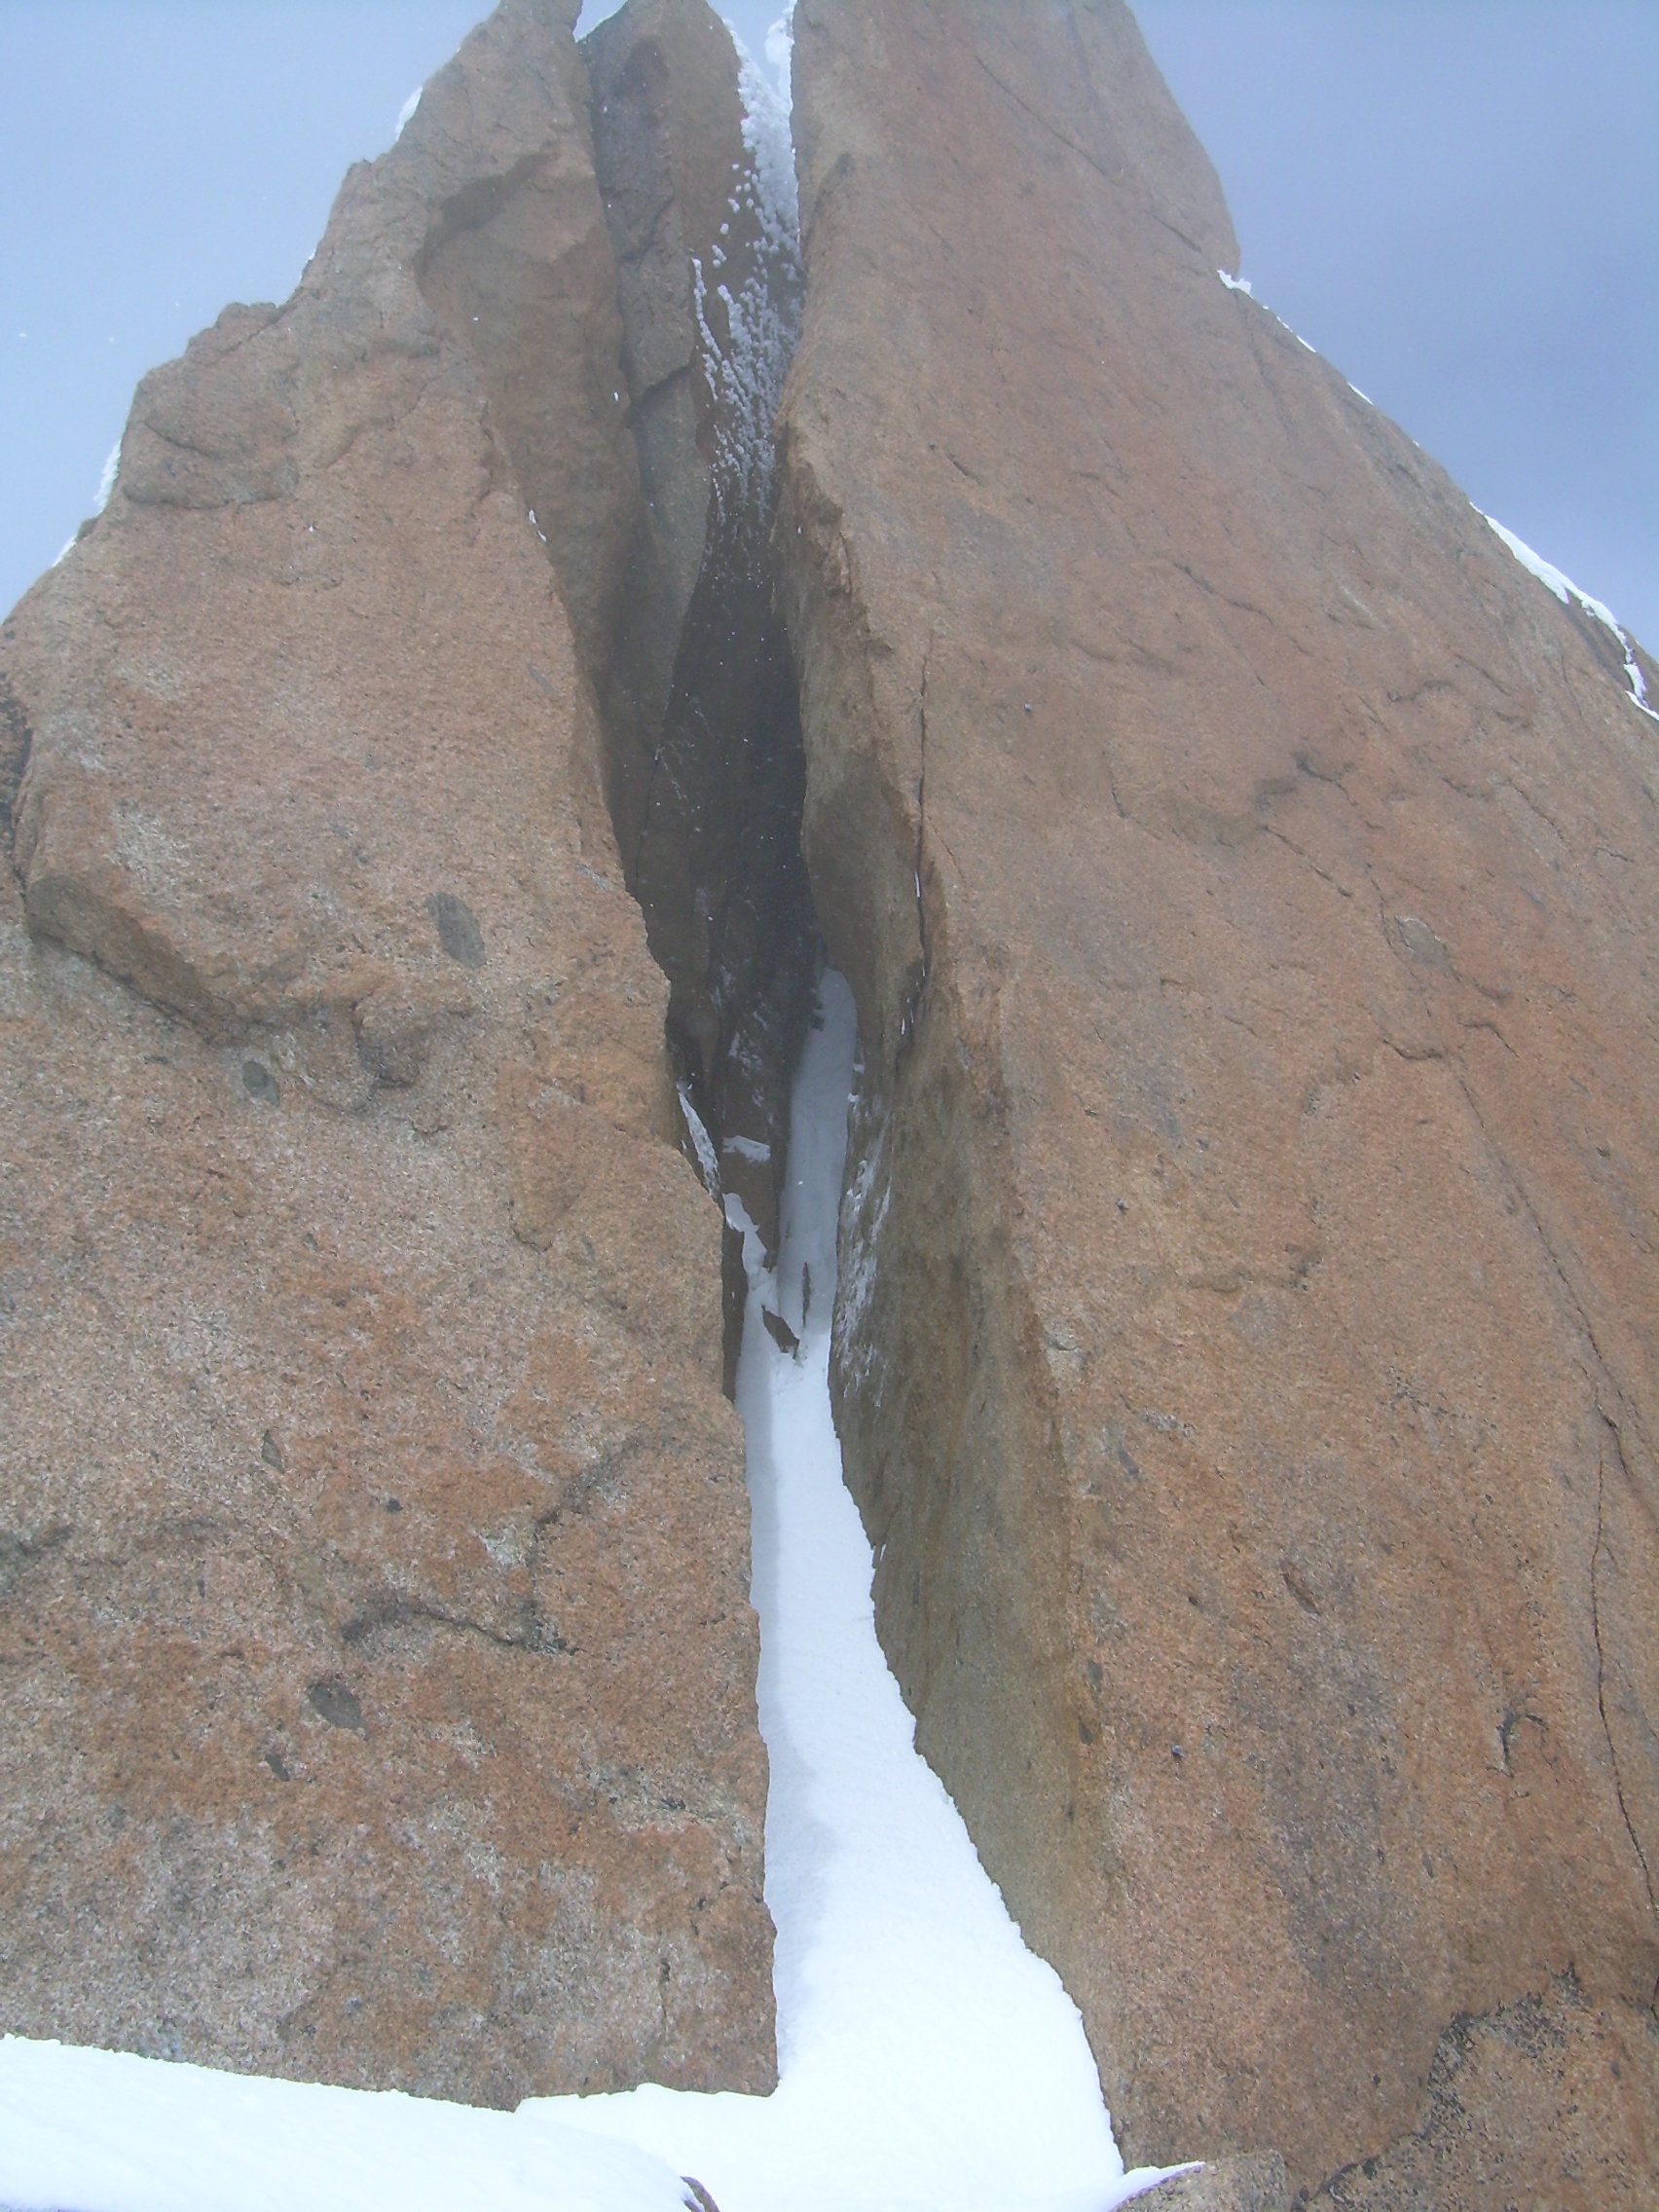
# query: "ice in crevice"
[[705, 767]]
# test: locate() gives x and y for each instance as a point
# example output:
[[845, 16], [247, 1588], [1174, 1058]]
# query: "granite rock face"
[[379, 1666], [703, 734], [1246, 1358]]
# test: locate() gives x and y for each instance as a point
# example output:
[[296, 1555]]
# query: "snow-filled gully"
[[927, 2060], [926, 2057]]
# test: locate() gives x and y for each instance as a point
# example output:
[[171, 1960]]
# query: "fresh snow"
[[702, 1144], [100, 2131], [780, 52], [928, 2062], [748, 1148], [106, 482], [1244, 286], [1566, 590], [767, 133], [100, 501], [1548, 575]]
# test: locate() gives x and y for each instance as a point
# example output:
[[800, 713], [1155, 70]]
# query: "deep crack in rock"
[[704, 761]]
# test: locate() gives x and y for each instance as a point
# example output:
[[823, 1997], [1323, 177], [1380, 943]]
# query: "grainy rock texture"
[[1254, 2184], [1248, 876], [703, 736], [377, 1657], [1546, 2102]]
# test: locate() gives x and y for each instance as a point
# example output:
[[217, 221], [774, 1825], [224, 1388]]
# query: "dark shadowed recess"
[[718, 869], [706, 772]]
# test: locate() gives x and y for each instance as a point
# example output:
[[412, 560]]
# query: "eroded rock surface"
[[703, 735], [379, 1668], [1246, 1356]]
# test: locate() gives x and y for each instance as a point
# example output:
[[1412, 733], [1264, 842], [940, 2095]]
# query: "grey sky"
[[1457, 201]]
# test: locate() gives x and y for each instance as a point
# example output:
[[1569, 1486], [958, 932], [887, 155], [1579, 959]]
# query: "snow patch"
[[1236, 284], [748, 1148], [702, 1144], [406, 112], [106, 482], [108, 2132], [739, 1217], [1566, 590]]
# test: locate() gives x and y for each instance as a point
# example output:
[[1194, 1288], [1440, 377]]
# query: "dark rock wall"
[[704, 738]]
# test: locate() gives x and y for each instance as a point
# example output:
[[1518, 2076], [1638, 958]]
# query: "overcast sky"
[[1457, 200]]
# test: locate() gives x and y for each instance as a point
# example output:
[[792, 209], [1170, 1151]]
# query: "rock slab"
[[379, 1666], [1247, 1357]]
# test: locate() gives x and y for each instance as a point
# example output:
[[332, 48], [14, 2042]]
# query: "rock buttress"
[[703, 733], [1246, 1352], [373, 1553]]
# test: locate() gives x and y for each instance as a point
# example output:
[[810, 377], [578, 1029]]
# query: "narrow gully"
[[926, 2056], [706, 774]]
